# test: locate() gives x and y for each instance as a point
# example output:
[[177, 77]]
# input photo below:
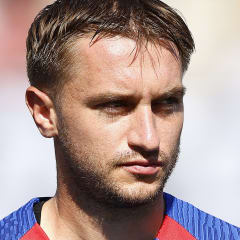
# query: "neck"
[[63, 219]]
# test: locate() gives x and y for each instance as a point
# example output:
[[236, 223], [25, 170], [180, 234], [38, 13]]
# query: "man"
[[106, 85]]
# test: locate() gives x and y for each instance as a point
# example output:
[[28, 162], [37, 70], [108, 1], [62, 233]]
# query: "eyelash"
[[113, 104], [171, 101], [119, 107], [167, 106], [113, 107]]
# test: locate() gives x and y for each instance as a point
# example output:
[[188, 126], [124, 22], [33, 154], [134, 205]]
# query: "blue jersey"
[[182, 221]]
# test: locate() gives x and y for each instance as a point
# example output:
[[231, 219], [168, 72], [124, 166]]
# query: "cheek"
[[89, 132], [170, 132]]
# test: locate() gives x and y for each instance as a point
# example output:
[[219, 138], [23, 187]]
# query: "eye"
[[113, 104], [170, 101], [116, 107], [167, 105]]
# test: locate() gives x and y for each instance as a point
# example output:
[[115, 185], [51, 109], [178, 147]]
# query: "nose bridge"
[[147, 124], [144, 132]]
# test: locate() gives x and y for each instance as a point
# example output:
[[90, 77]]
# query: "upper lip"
[[143, 163]]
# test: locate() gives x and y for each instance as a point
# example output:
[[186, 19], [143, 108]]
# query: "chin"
[[136, 195]]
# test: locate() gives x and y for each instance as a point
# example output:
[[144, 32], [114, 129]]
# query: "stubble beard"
[[85, 177]]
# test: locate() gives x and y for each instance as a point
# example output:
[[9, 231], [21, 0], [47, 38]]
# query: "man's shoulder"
[[18, 223], [198, 223]]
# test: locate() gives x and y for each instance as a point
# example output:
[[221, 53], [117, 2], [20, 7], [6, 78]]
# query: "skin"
[[113, 111]]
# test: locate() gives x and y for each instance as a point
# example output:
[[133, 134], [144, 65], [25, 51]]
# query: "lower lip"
[[142, 170]]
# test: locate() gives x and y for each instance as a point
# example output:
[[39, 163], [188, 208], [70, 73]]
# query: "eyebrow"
[[111, 96], [106, 97], [176, 91]]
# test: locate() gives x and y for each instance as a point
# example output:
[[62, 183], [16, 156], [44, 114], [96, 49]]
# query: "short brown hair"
[[61, 23]]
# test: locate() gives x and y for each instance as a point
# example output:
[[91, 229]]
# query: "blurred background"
[[207, 174]]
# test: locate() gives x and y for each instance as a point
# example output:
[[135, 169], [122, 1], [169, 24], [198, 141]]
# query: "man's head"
[[58, 26], [109, 79]]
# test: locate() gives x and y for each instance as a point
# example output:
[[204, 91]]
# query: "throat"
[[91, 221]]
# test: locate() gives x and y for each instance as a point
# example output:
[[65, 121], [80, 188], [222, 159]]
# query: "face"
[[119, 121]]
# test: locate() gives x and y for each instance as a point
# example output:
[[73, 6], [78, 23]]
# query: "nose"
[[143, 132]]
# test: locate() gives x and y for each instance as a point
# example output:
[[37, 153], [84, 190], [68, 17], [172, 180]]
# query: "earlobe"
[[42, 109]]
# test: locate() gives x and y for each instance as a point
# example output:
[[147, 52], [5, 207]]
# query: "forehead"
[[111, 63]]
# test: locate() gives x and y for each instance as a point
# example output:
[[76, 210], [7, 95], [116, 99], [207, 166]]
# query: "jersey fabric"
[[182, 221]]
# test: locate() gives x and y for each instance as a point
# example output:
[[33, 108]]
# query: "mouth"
[[142, 167]]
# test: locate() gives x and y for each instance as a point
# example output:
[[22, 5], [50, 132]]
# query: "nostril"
[[151, 155]]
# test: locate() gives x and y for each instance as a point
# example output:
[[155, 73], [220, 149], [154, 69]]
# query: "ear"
[[42, 109]]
